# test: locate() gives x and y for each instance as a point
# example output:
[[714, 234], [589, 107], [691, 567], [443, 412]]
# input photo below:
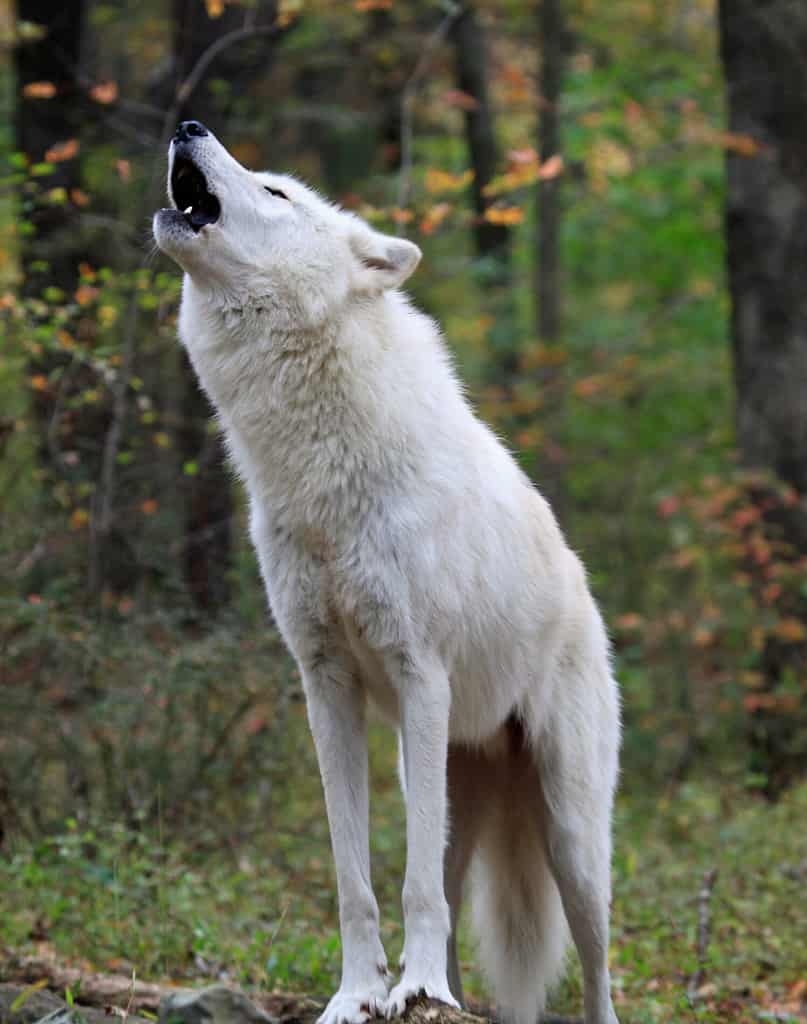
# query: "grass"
[[262, 907]]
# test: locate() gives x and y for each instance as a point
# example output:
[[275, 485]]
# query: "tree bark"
[[209, 503], [472, 77], [764, 47], [552, 378], [548, 259], [48, 56]]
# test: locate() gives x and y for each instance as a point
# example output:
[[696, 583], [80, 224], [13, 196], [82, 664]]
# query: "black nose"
[[187, 130]]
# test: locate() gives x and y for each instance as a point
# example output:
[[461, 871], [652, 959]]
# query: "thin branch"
[[704, 931], [102, 517], [409, 94], [186, 88]]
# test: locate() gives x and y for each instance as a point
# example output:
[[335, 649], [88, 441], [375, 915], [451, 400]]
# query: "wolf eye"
[[276, 192]]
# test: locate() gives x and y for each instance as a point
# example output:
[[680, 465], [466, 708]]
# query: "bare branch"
[[409, 94]]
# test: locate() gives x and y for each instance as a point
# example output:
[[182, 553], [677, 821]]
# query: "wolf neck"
[[304, 411]]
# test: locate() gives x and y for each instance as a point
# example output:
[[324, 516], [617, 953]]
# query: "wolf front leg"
[[336, 712], [424, 697]]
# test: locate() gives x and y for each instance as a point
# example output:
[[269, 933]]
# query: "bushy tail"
[[518, 917]]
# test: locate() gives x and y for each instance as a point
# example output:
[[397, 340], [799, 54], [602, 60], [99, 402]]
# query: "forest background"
[[612, 204]]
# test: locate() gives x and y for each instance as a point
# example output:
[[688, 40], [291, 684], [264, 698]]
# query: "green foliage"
[[196, 839]]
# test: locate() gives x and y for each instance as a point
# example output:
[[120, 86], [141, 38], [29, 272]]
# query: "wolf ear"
[[383, 261]]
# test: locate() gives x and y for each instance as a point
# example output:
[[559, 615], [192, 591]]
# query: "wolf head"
[[264, 239]]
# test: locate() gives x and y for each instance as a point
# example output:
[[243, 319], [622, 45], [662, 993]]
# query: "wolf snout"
[[187, 130]]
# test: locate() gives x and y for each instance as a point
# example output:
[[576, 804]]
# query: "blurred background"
[[612, 204]]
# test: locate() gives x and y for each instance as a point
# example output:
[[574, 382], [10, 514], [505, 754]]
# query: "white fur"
[[410, 562]]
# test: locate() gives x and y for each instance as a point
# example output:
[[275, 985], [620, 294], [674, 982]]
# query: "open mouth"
[[190, 194]]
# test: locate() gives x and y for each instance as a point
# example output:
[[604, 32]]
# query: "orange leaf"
[[79, 518], [371, 5], [85, 294], [551, 168], [527, 155], [79, 198], [62, 151], [792, 631], [400, 216], [39, 91], [149, 506], [504, 215], [461, 100], [434, 218], [39, 382], [589, 386], [745, 145], [105, 92], [124, 169]]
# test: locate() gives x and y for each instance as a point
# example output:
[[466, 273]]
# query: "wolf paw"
[[411, 987], [354, 1007]]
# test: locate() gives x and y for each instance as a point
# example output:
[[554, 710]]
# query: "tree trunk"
[[552, 378], [209, 504], [763, 44], [548, 258], [49, 256], [472, 75]]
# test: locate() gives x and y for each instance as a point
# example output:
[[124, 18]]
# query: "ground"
[[260, 911]]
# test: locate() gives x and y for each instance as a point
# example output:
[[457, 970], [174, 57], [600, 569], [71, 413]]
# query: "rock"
[[42, 1006], [214, 1005]]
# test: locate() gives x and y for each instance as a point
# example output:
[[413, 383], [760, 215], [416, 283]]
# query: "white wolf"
[[408, 562]]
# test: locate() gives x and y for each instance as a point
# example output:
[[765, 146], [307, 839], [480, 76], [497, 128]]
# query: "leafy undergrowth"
[[261, 911]]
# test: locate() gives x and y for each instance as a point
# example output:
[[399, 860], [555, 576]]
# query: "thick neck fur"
[[313, 416]]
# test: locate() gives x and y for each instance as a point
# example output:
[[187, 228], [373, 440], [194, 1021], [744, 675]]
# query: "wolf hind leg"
[[577, 754]]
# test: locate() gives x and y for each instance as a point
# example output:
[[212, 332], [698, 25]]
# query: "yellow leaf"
[[442, 181], [39, 382], [506, 216], [79, 518], [107, 315]]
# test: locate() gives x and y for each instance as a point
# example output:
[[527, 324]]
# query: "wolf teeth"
[[189, 210]]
